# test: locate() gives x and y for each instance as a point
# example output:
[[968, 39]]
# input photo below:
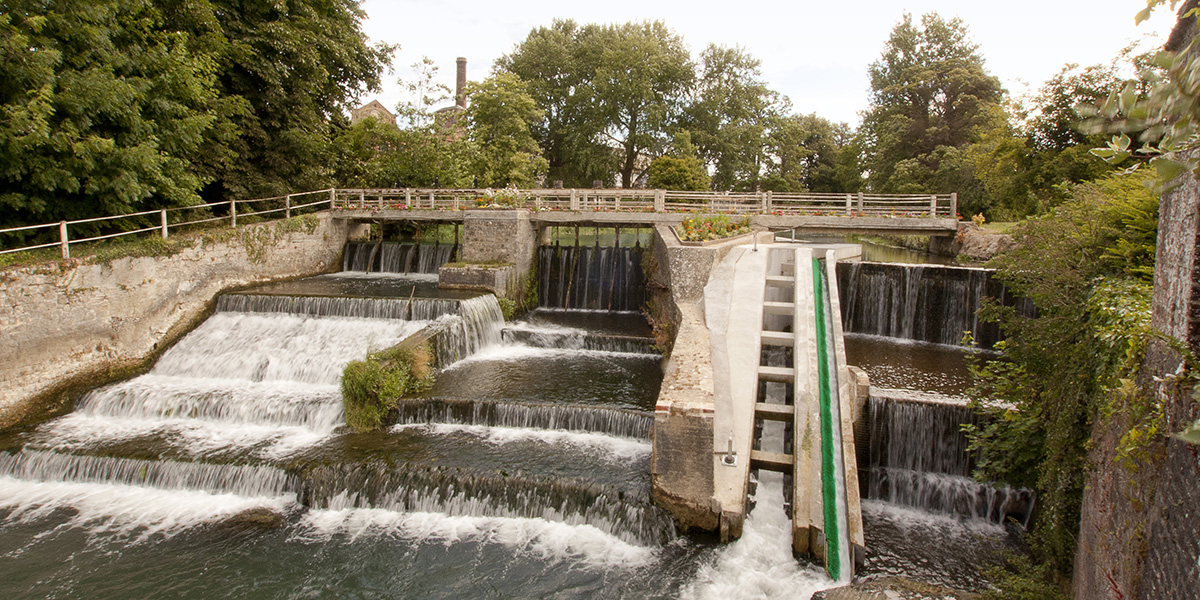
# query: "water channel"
[[524, 472]]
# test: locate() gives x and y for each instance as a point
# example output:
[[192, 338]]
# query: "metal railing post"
[[62, 236], [163, 217], [769, 202], [287, 207], [233, 213], [432, 201], [660, 200]]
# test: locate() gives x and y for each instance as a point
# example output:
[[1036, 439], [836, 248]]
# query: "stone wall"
[[681, 472], [1140, 530], [66, 326]]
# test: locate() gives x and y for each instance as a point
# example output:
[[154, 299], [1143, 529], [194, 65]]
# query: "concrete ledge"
[[489, 278]]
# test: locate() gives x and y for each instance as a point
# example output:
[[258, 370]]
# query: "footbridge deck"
[[901, 214]]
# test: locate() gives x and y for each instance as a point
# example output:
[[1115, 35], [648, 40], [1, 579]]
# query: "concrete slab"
[[733, 309]]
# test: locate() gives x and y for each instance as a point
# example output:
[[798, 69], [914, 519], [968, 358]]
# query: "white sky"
[[816, 53]]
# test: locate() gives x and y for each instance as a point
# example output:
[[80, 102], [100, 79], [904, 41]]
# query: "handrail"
[[542, 199], [651, 200], [165, 221]]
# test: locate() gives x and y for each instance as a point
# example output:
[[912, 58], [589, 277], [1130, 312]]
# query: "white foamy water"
[[759, 564], [267, 382], [311, 406], [279, 347], [614, 447], [519, 352], [190, 436], [917, 520], [538, 537], [136, 512]]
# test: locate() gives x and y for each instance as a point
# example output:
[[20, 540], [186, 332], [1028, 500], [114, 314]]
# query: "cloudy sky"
[[816, 53]]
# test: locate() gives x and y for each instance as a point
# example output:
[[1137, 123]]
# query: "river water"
[[524, 472]]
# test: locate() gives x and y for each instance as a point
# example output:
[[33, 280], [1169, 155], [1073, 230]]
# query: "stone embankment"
[[66, 326], [972, 242]]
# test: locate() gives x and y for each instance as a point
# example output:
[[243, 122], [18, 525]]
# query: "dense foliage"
[[117, 106], [1086, 266]]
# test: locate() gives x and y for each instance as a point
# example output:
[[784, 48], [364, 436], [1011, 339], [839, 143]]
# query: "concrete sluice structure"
[[773, 328]]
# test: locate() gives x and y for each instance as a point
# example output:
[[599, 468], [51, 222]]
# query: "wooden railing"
[[175, 218], [583, 200], [637, 200]]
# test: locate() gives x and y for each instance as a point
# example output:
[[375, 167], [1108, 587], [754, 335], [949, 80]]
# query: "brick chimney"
[[460, 95]]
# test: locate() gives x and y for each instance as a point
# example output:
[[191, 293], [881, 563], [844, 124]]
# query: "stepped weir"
[[524, 467]]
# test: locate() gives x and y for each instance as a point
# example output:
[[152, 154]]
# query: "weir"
[[524, 468]]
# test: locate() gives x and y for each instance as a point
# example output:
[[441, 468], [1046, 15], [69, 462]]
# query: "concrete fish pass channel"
[[535, 465]]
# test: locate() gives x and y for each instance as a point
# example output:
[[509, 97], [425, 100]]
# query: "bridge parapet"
[[938, 206]]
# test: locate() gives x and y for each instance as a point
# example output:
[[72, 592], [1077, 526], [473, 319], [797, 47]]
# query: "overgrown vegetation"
[[1087, 268], [711, 227], [119, 106], [372, 387]]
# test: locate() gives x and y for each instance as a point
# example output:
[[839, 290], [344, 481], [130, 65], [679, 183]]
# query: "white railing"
[[173, 218], [637, 200], [581, 200]]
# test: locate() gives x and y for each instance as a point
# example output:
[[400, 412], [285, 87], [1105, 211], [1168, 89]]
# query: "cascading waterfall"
[[396, 257], [477, 326], [432, 490], [576, 339], [591, 278], [918, 457], [416, 309], [615, 422], [929, 303]]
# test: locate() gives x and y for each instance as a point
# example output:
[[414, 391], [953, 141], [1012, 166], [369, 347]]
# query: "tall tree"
[[551, 62], [804, 154], [641, 80], [498, 119], [298, 65], [929, 91], [612, 90], [102, 110], [730, 116]]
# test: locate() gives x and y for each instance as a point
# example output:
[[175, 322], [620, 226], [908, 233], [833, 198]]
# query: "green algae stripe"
[[828, 485]]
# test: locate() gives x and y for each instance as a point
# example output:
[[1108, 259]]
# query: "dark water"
[[524, 472], [911, 369]]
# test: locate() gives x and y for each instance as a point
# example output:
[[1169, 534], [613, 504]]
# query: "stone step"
[[772, 461], [774, 412], [781, 280], [779, 308], [777, 338], [777, 374]]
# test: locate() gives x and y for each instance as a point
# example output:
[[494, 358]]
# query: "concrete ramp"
[[778, 355]]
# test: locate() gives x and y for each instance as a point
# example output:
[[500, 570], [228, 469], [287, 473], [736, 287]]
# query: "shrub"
[[372, 387], [704, 228]]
